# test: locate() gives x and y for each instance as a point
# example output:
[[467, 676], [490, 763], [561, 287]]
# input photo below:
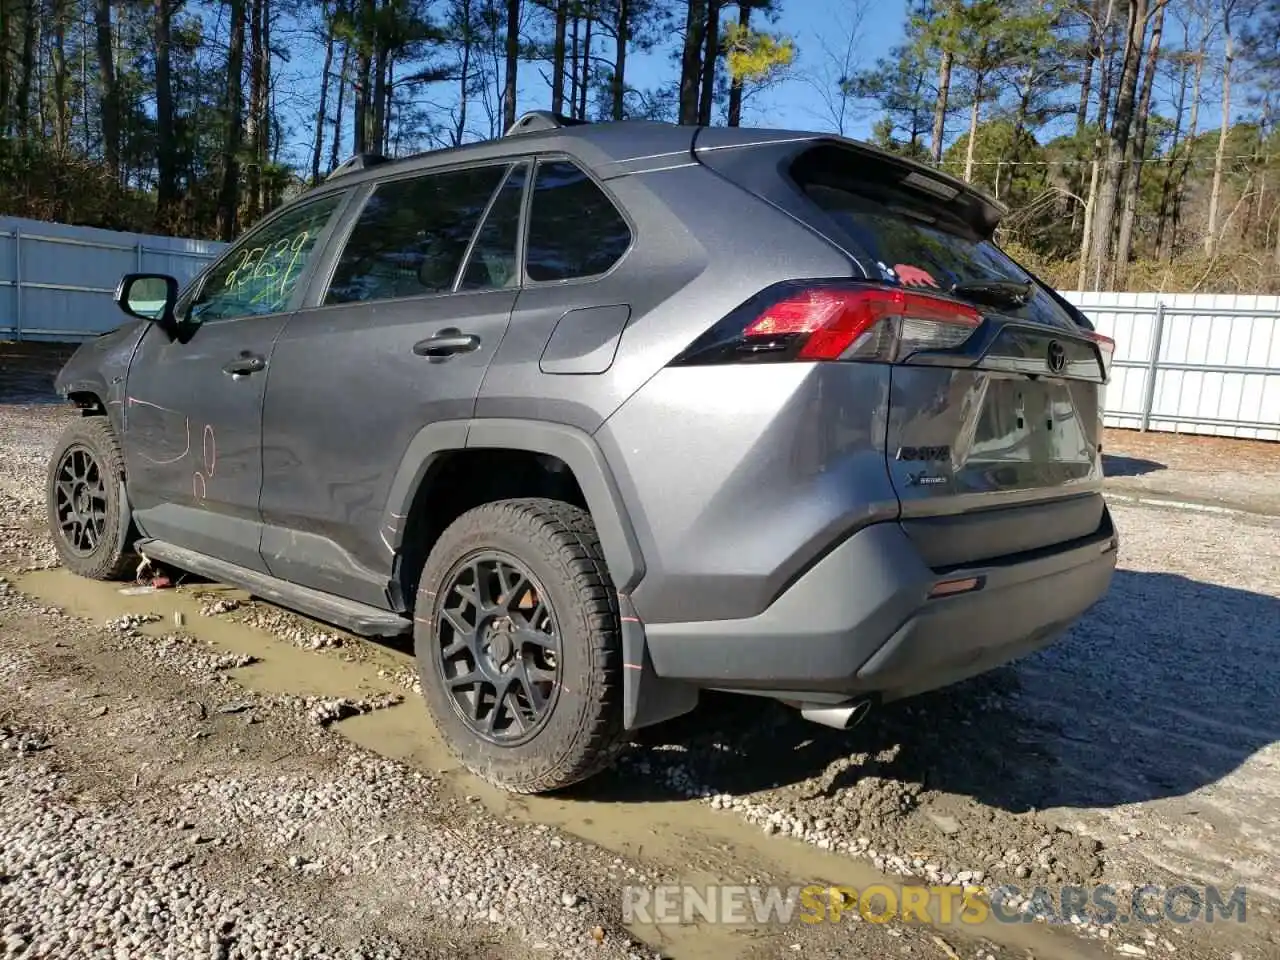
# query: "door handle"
[[446, 343], [244, 365]]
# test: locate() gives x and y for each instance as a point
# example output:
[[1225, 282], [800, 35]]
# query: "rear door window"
[[574, 228], [493, 263], [912, 244], [412, 234]]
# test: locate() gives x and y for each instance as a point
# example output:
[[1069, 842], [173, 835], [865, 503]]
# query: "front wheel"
[[82, 495], [519, 647]]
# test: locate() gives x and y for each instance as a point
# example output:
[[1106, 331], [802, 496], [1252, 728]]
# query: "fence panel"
[[1192, 362], [56, 280]]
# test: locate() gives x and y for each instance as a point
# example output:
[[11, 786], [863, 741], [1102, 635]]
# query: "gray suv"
[[608, 414]]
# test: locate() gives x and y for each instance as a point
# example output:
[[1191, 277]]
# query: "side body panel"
[[192, 438]]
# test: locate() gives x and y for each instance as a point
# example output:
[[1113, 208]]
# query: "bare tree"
[[831, 77]]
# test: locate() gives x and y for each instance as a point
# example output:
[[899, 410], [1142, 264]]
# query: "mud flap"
[[646, 697]]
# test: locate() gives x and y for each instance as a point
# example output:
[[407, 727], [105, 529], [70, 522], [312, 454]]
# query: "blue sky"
[[820, 29]]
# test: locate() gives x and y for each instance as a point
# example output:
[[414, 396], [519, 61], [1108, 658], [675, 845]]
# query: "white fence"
[[56, 281], [1191, 363]]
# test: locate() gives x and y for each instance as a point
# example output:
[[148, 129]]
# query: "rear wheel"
[[519, 647], [83, 500]]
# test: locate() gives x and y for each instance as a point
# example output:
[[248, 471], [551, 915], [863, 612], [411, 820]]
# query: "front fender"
[[101, 367]]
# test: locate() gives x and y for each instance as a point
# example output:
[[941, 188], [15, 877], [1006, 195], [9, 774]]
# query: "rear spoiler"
[[726, 148], [973, 207]]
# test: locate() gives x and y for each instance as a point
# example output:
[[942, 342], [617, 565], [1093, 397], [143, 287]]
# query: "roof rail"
[[355, 163], [536, 120]]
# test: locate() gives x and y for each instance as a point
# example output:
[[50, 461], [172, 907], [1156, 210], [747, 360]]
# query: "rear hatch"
[[993, 429]]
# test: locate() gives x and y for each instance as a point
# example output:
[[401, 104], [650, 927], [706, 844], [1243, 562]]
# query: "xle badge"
[[924, 453], [921, 478]]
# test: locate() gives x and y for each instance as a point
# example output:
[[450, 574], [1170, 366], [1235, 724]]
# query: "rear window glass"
[[574, 229], [917, 247]]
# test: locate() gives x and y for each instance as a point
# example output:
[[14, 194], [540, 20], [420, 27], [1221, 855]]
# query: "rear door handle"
[[245, 364], [446, 343]]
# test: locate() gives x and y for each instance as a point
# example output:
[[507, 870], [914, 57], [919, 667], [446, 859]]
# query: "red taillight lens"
[[1106, 346], [839, 322]]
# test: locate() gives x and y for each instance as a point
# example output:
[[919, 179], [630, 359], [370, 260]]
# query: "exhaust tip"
[[841, 716]]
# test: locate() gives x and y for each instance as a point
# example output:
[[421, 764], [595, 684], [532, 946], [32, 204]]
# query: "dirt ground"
[[194, 773]]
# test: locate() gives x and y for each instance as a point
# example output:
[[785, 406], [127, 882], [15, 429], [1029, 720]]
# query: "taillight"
[[1106, 346], [827, 320]]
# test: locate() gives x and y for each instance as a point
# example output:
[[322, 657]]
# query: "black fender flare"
[[575, 447], [647, 698]]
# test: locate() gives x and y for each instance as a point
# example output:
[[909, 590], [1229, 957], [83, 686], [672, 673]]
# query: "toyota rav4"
[[606, 415]]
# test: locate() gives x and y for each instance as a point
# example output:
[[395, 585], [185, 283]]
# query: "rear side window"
[[918, 242], [412, 235], [574, 229], [493, 257]]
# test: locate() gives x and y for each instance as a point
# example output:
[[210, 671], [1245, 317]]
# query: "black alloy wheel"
[[80, 500], [498, 648]]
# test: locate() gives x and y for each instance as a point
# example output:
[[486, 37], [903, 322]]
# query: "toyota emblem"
[[1057, 356]]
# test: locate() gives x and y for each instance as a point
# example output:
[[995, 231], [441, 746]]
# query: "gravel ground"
[[196, 790]]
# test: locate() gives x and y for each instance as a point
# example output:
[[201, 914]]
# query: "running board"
[[359, 618]]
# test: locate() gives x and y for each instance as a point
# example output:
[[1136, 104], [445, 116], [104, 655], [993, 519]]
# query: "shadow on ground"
[[1120, 466], [27, 371], [1166, 686]]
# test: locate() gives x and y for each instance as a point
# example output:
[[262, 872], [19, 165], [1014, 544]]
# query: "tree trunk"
[[254, 133], [940, 106], [585, 87], [229, 191], [26, 73], [267, 108], [364, 77], [109, 88], [5, 20], [572, 64], [1215, 192], [618, 85], [710, 58], [166, 146], [1104, 219], [974, 112], [557, 57], [691, 61], [1166, 188], [61, 95], [338, 109], [1137, 151], [317, 146], [1086, 71], [513, 53], [735, 84], [378, 99], [1095, 169], [1193, 127], [464, 78]]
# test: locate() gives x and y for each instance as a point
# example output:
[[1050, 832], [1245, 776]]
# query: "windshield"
[[917, 247]]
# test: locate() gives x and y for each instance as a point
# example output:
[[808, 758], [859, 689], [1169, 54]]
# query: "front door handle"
[[244, 365], [446, 343]]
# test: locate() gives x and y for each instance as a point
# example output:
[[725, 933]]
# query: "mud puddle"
[[677, 838]]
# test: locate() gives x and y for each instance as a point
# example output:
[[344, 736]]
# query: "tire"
[[88, 445], [555, 544]]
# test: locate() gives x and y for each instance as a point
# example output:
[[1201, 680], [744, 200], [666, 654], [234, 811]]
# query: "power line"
[[1103, 162]]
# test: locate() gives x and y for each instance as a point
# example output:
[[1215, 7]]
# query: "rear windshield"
[[914, 241]]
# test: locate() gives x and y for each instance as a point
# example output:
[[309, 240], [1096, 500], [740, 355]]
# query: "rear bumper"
[[861, 621]]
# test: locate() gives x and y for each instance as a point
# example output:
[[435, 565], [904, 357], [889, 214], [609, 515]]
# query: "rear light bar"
[[1106, 347], [825, 320]]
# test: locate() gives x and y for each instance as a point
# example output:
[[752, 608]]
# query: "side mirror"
[[148, 296]]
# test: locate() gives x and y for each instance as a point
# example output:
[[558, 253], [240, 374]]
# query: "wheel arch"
[[575, 448]]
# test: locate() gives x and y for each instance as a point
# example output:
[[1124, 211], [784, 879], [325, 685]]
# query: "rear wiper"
[[1014, 293]]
